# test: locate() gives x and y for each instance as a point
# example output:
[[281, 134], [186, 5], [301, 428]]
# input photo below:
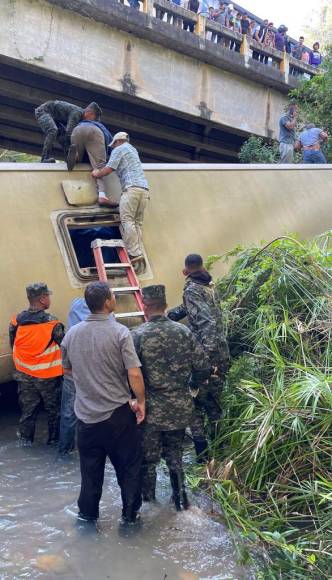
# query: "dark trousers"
[[67, 417], [119, 439]]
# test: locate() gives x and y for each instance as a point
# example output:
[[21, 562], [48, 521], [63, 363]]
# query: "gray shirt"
[[286, 135], [99, 351], [125, 161]]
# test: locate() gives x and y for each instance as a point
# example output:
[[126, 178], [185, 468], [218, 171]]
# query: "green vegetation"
[[314, 99], [256, 150], [272, 466], [7, 156]]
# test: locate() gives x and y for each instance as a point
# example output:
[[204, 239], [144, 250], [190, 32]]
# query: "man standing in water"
[[100, 354], [170, 355], [35, 336], [202, 308]]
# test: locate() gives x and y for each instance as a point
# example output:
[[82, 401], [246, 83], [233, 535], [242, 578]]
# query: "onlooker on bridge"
[[259, 36], [315, 56], [287, 135], [245, 24], [125, 161], [280, 39], [269, 41], [309, 141], [299, 49], [193, 6]]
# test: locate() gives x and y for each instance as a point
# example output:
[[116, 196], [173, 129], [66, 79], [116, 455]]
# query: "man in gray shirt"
[[100, 355], [125, 161], [287, 135]]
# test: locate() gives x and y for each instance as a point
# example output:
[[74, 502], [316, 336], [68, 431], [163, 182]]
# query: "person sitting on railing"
[[259, 36], [193, 6], [269, 40], [315, 56]]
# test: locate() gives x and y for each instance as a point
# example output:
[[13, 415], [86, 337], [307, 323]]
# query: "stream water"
[[40, 536]]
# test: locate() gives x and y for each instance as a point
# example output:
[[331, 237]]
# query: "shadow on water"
[[42, 538]]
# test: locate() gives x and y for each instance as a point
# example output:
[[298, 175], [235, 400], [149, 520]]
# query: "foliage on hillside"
[[256, 150], [272, 466], [7, 156]]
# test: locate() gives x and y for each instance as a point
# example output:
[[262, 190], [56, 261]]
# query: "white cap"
[[121, 135]]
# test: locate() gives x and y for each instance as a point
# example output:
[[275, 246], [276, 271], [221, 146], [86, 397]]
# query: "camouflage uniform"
[[169, 355], [57, 120], [32, 390], [201, 306]]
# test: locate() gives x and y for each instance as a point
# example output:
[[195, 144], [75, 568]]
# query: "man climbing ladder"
[[125, 161]]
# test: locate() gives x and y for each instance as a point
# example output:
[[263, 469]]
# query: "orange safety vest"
[[34, 351]]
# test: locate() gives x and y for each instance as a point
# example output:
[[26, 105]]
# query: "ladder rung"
[[129, 314], [107, 243], [118, 265], [125, 289]]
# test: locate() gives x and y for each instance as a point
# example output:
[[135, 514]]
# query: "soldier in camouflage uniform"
[[57, 119], [170, 355], [35, 336], [202, 308]]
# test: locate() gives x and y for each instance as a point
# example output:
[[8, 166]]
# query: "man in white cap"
[[125, 161]]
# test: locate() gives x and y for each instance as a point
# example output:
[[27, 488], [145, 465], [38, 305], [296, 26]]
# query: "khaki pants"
[[91, 139], [132, 205], [286, 151]]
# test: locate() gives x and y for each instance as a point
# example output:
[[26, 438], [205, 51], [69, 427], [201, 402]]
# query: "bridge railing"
[[174, 14], [214, 32]]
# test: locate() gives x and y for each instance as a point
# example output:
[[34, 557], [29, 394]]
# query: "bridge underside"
[[160, 134]]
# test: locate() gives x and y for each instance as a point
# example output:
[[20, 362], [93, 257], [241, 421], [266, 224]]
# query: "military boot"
[[201, 448], [179, 495], [46, 159], [72, 156]]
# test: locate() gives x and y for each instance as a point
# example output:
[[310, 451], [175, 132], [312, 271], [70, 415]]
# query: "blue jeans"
[[68, 418], [312, 156]]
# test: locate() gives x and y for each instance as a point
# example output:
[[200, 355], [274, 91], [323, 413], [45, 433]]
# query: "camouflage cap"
[[155, 294], [96, 109], [37, 289]]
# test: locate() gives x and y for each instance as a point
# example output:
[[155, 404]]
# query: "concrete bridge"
[[181, 96]]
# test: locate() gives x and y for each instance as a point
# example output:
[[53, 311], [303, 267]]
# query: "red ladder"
[[125, 263]]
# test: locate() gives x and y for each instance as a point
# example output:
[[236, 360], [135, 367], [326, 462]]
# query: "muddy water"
[[41, 538]]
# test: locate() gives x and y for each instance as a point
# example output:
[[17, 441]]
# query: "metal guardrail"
[[214, 32]]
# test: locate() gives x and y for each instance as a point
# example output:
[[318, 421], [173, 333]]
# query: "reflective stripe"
[[48, 351], [41, 366]]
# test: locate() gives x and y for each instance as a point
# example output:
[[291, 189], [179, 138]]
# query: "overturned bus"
[[50, 218]]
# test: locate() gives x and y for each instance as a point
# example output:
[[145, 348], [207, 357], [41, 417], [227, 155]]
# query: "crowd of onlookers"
[[228, 16]]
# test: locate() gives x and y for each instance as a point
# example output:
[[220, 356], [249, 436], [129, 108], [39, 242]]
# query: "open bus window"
[[81, 239], [78, 229]]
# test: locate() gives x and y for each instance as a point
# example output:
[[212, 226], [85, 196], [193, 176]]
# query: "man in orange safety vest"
[[35, 336]]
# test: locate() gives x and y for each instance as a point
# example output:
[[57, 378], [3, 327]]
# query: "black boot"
[[179, 496], [46, 159], [71, 157], [201, 448]]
